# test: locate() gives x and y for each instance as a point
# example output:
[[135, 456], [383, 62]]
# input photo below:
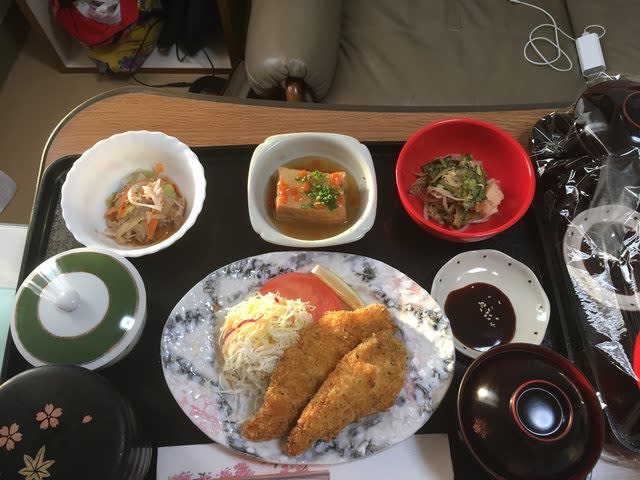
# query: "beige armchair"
[[439, 53]]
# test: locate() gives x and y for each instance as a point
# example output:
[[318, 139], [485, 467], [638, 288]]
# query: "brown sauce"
[[312, 231], [481, 316], [162, 233], [613, 248]]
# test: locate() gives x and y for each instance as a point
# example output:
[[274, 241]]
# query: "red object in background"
[[89, 31], [306, 287], [502, 157], [636, 359]]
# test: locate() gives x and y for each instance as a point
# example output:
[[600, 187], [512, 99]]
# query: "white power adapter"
[[587, 45], [590, 54]]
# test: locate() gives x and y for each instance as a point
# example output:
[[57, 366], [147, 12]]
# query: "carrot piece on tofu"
[[308, 202], [336, 179]]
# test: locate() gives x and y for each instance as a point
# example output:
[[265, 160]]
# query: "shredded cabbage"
[[253, 337]]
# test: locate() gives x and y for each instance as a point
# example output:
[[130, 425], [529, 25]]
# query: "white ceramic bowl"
[[279, 150], [514, 279], [101, 169]]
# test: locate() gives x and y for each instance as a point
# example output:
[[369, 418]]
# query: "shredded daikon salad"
[[253, 337], [456, 191]]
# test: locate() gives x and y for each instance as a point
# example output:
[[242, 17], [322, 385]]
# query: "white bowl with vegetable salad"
[[134, 193]]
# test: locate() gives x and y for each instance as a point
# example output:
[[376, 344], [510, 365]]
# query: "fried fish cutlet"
[[366, 381], [305, 365]]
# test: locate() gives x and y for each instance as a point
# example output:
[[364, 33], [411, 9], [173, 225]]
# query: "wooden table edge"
[[213, 103]]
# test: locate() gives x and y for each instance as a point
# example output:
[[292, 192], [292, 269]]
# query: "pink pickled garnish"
[[250, 320]]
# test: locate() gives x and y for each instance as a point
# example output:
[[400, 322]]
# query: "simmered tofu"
[[311, 197]]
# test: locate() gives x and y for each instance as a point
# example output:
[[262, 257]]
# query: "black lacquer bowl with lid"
[[526, 412], [67, 422]]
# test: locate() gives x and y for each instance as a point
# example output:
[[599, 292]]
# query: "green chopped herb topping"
[[456, 184], [320, 191]]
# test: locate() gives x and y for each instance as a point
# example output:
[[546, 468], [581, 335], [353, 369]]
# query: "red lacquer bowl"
[[502, 158]]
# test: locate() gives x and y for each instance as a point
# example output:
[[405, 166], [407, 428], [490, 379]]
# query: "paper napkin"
[[423, 457]]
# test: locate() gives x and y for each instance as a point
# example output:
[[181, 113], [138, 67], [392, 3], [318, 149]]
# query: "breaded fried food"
[[307, 363], [366, 381]]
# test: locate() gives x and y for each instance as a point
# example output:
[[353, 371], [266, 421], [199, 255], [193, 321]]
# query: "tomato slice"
[[306, 287]]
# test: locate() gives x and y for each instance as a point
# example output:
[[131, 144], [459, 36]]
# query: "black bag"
[[189, 24]]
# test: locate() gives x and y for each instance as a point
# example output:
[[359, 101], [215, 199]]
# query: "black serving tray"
[[223, 234]]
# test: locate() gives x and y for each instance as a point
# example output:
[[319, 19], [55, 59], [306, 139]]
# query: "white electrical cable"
[[555, 42]]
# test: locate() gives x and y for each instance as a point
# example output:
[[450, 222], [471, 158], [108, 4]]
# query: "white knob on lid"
[[67, 300]]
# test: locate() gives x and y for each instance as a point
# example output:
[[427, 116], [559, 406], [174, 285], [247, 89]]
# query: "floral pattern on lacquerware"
[[9, 436], [481, 428], [36, 468], [87, 419], [49, 417]]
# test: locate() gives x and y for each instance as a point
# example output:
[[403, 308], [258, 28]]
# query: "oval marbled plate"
[[190, 361]]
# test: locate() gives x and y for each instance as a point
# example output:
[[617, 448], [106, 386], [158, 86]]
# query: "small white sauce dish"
[[100, 170], [520, 285], [279, 150]]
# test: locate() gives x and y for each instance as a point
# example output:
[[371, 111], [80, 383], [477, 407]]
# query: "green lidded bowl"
[[84, 307]]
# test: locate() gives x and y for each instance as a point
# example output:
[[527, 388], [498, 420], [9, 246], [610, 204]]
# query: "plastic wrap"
[[588, 166]]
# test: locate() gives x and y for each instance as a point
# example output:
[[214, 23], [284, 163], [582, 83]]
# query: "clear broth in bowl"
[[316, 231]]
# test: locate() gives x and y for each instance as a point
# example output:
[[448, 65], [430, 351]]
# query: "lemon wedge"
[[339, 286]]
